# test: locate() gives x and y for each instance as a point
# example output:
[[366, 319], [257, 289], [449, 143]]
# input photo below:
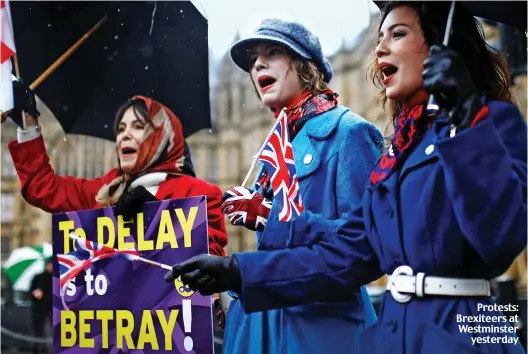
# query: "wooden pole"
[[17, 73], [17, 68], [57, 63], [66, 54]]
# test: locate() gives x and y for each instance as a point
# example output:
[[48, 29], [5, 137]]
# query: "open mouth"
[[388, 71], [265, 82], [128, 151]]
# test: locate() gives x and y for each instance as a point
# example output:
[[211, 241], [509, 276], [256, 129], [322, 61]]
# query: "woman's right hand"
[[25, 101], [245, 207]]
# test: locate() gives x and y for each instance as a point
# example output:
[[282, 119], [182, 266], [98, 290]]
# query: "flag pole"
[[66, 54], [433, 107], [157, 264], [255, 157], [58, 62], [17, 68], [17, 73]]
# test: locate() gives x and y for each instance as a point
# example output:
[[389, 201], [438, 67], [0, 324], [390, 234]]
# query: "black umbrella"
[[511, 13], [157, 49]]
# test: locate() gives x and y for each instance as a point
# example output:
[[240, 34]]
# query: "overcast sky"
[[332, 20]]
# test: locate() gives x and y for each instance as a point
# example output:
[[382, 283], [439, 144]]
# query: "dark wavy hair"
[[140, 111], [487, 66]]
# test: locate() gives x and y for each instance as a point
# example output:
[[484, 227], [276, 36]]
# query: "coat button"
[[307, 159], [430, 149]]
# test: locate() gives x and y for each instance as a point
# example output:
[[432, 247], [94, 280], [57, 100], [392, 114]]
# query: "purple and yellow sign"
[[123, 306]]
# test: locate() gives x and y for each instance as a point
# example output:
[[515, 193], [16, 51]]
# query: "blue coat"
[[334, 153], [457, 208]]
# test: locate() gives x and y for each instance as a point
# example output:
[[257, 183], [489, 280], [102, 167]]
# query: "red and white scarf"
[[164, 142]]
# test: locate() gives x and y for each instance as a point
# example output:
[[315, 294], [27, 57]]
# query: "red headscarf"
[[166, 139]]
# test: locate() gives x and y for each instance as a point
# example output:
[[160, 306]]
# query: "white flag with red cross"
[[7, 50]]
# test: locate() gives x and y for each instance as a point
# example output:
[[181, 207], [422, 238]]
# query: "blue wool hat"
[[292, 35]]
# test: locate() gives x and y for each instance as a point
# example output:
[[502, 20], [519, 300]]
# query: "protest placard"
[[121, 306]]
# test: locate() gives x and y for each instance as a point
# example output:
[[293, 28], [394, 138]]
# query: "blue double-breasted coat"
[[334, 153], [457, 208]]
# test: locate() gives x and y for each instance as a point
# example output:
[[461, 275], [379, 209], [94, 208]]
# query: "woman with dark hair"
[[444, 211], [152, 166]]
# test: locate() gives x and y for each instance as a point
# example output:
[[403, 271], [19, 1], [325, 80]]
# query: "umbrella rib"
[[153, 14]]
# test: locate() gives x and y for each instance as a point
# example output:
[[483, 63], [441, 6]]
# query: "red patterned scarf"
[[305, 107], [411, 126]]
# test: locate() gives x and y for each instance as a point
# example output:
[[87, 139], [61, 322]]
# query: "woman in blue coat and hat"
[[334, 151], [444, 212]]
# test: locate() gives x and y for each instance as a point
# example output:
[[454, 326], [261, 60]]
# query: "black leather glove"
[[132, 201], [208, 274], [446, 76], [24, 101]]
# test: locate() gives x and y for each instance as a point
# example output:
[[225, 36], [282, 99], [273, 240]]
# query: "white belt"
[[403, 284]]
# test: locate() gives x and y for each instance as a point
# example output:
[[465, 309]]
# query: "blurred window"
[[232, 162], [5, 247], [8, 169], [8, 207], [212, 166]]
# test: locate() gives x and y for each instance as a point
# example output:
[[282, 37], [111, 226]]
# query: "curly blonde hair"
[[312, 79]]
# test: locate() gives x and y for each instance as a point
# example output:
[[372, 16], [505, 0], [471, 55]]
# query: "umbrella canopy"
[[156, 49], [24, 263], [512, 13]]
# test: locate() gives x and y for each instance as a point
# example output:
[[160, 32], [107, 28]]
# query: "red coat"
[[42, 188]]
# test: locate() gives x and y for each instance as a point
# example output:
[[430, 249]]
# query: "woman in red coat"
[[150, 149]]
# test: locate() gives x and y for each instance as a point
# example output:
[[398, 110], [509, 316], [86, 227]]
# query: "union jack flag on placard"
[[277, 158], [86, 253]]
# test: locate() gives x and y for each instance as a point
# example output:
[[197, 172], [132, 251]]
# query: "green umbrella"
[[26, 262]]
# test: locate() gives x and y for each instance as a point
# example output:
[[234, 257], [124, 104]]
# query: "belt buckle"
[[401, 270]]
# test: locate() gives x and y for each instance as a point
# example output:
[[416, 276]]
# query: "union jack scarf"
[[306, 107]]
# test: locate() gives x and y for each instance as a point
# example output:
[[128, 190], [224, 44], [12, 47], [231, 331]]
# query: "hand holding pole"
[[433, 107]]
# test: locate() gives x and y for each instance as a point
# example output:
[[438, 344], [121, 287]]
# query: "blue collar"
[[322, 125]]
